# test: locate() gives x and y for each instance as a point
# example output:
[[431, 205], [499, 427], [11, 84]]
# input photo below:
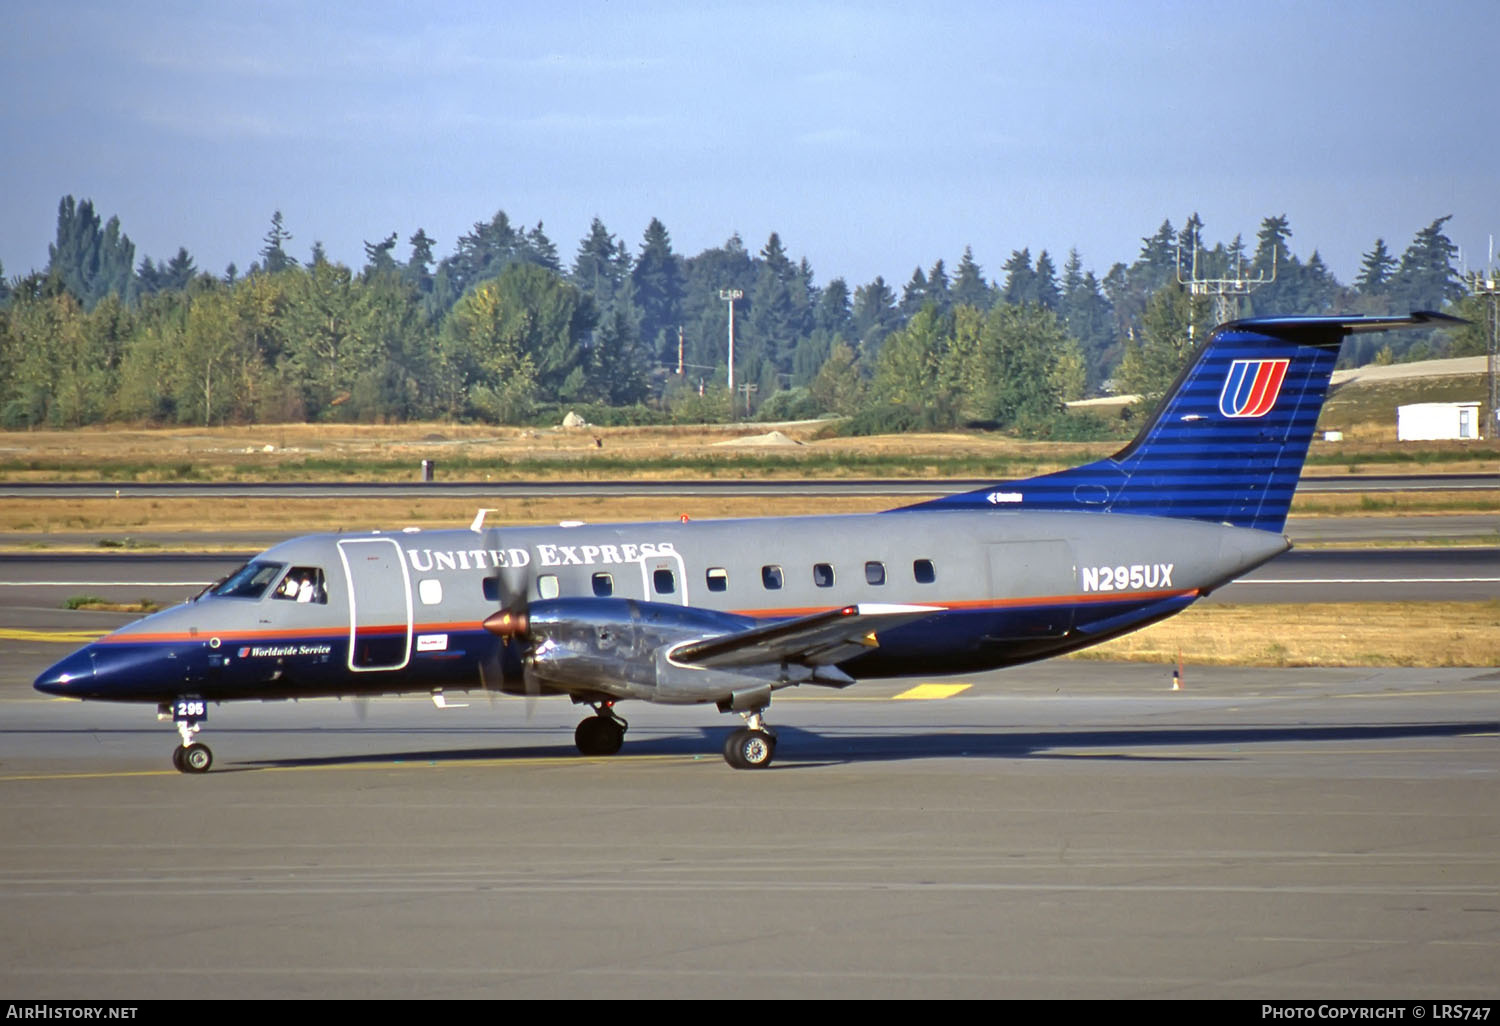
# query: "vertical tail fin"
[[1226, 444]]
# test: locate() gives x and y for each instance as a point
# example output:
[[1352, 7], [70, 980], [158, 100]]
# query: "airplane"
[[729, 612]]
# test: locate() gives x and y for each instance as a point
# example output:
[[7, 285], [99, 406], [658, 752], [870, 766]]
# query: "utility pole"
[[1488, 285], [729, 296]]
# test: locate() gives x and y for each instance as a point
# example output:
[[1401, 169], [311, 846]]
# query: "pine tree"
[[657, 283], [1020, 279], [378, 258], [418, 270], [832, 314], [1425, 279], [92, 262], [874, 316], [969, 286], [602, 268], [1048, 295], [1157, 263], [179, 272], [939, 290], [913, 295], [273, 255], [541, 250], [1376, 270]]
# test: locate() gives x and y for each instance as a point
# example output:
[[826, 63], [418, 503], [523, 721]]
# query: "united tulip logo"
[[1251, 388]]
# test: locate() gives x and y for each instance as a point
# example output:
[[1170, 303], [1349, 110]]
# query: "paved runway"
[[1063, 830]]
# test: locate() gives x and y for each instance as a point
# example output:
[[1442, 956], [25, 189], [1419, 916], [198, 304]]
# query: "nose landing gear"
[[189, 714]]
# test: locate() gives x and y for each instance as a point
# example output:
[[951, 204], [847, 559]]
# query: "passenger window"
[[770, 576], [303, 584], [664, 581], [823, 575], [924, 573], [430, 591], [874, 572], [491, 590], [718, 579], [546, 586], [604, 585]]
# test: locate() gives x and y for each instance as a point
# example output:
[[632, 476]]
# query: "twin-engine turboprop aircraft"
[[728, 612]]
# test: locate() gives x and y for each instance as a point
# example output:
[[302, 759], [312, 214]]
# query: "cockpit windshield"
[[250, 581]]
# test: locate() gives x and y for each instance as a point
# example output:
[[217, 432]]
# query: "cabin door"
[[380, 609]]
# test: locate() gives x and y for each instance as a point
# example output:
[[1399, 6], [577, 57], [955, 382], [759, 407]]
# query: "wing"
[[817, 640]]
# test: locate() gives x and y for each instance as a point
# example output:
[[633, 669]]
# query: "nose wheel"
[[193, 758], [188, 714]]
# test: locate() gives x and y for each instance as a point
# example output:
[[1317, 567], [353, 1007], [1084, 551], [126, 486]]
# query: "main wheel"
[[195, 758], [749, 749], [598, 735]]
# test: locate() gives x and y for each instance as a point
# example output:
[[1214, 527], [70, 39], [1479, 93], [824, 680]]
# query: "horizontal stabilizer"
[[821, 639]]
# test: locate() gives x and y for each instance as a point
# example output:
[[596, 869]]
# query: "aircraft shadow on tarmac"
[[807, 748]]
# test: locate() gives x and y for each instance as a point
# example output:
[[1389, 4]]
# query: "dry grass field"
[[1322, 634]]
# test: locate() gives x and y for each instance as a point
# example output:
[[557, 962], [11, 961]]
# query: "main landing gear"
[[602, 733], [752, 746]]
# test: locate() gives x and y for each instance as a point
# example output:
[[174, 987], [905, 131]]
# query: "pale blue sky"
[[873, 137]]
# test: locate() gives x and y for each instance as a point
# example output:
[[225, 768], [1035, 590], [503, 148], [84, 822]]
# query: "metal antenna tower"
[[1226, 291]]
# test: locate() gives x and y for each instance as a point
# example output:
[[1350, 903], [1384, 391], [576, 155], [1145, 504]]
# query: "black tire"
[[177, 760], [196, 758], [598, 736], [750, 749]]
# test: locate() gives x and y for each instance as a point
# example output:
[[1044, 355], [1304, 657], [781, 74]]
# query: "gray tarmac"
[[1067, 829]]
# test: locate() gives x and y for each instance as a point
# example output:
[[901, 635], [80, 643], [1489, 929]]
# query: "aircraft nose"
[[69, 676]]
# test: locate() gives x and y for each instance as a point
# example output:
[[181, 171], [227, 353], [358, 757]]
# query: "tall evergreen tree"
[[92, 261], [419, 266], [657, 282], [602, 268], [379, 258], [1157, 263], [1048, 294], [1376, 270], [1425, 279], [833, 312], [969, 286], [913, 295], [939, 289], [874, 316], [1020, 279], [273, 255], [541, 250]]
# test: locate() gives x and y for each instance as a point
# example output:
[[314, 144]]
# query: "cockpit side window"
[[250, 581], [303, 584]]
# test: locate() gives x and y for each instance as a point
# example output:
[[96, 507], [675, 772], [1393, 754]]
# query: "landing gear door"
[[380, 609]]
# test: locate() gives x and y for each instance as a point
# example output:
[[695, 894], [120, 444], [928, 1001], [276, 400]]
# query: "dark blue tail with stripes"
[[1226, 444]]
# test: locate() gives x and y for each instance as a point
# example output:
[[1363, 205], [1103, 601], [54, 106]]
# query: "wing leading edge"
[[821, 639]]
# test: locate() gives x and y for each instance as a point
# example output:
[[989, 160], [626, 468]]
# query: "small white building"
[[1420, 422]]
